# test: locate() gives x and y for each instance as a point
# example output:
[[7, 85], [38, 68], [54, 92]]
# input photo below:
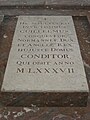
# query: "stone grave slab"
[[45, 59]]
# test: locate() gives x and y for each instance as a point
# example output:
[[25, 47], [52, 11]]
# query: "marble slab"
[[45, 56]]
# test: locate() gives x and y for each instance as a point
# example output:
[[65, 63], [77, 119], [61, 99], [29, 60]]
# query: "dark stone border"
[[56, 4]]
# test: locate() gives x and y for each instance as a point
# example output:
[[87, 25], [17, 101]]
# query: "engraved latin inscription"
[[45, 56]]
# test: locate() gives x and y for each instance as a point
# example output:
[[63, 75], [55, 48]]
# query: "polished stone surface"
[[45, 56]]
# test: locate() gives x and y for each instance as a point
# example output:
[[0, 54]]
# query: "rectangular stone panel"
[[45, 57]]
